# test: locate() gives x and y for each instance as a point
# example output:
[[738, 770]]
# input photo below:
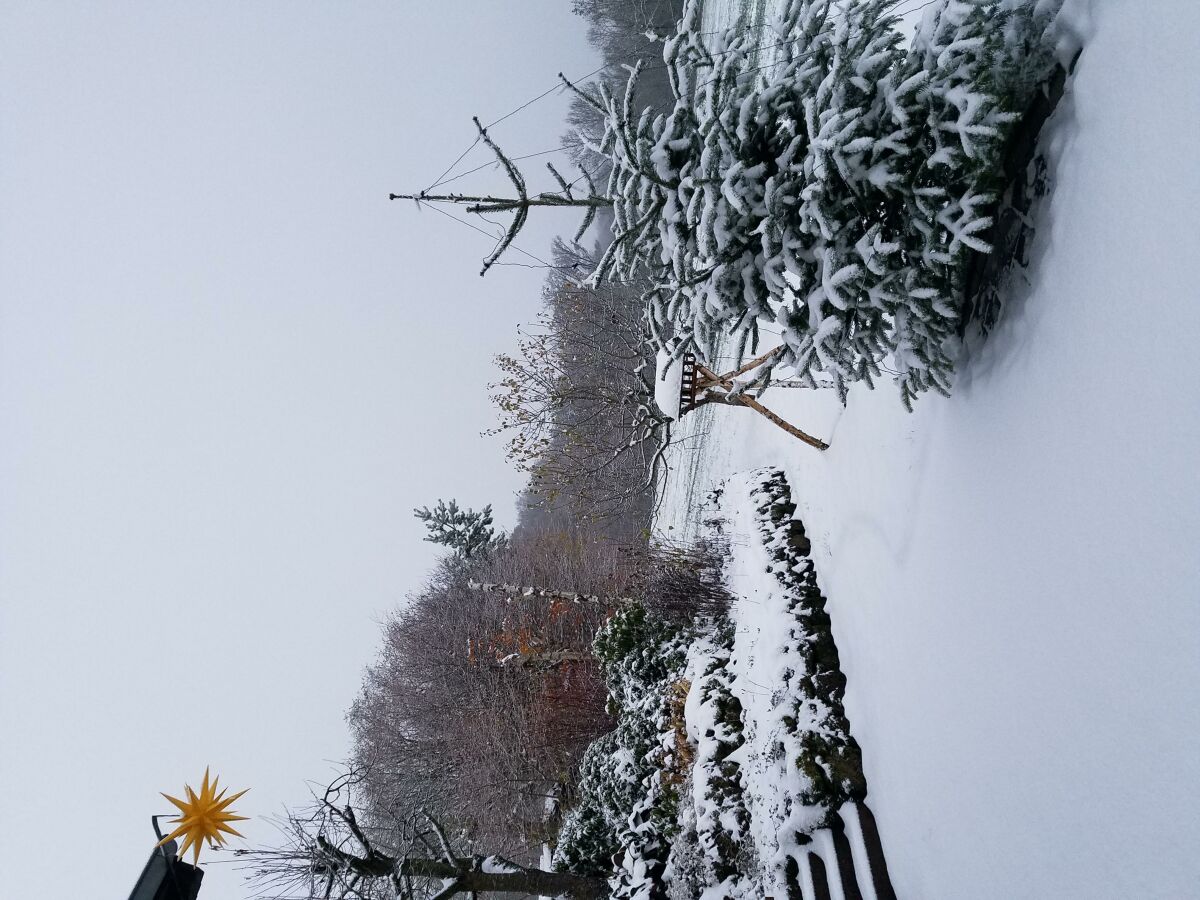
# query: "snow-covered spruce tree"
[[834, 192], [467, 532], [829, 240], [978, 62]]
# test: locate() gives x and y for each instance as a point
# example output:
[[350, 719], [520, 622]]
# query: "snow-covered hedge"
[[713, 857], [625, 813], [815, 737], [774, 758], [755, 693], [835, 193]]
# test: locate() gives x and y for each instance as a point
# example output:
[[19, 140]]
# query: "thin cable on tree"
[[489, 165], [441, 179], [523, 106], [542, 262], [520, 206]]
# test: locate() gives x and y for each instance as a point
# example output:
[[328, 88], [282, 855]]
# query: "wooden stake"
[[746, 400], [753, 364]]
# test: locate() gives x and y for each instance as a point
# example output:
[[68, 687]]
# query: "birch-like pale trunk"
[[513, 592]]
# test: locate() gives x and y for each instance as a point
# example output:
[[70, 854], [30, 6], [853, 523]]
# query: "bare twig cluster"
[[682, 581], [337, 850], [481, 702], [576, 400]]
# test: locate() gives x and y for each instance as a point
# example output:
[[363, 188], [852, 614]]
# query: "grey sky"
[[229, 368]]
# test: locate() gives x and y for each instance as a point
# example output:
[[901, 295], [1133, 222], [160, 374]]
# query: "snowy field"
[[1013, 572]]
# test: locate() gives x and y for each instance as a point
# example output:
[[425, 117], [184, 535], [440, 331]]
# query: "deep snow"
[[1013, 572]]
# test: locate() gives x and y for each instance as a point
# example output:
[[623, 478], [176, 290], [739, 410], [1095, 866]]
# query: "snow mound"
[[668, 381]]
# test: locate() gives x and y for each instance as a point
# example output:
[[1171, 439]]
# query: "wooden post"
[[753, 364], [785, 425], [725, 382]]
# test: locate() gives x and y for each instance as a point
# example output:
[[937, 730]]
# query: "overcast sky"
[[229, 368]]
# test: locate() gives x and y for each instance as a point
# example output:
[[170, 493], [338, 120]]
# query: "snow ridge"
[[799, 762]]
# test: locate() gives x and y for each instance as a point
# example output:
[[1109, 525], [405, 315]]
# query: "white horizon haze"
[[229, 369]]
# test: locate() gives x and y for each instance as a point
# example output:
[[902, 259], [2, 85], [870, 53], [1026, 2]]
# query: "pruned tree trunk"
[[475, 874], [725, 383], [495, 874], [332, 856], [543, 659]]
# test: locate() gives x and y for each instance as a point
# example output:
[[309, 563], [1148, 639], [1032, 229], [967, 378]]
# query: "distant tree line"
[[471, 723], [576, 403], [574, 397], [481, 702]]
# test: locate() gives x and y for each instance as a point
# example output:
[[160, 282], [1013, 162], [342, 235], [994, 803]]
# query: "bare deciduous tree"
[[577, 398], [336, 851], [478, 708]]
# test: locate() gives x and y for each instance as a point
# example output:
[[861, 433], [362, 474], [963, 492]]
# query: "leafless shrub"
[[576, 401], [480, 705], [339, 849], [682, 581]]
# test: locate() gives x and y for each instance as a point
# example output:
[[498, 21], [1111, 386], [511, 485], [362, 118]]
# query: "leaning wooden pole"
[[782, 423], [725, 382], [750, 366]]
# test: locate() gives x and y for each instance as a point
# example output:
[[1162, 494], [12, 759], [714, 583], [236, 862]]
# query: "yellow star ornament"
[[203, 816]]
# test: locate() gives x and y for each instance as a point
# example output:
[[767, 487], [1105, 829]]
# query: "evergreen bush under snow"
[[701, 790], [623, 818], [822, 180]]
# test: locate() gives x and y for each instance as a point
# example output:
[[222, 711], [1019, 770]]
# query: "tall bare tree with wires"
[[591, 200]]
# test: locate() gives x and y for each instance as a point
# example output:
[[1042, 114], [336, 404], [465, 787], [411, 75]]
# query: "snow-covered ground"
[[1013, 573]]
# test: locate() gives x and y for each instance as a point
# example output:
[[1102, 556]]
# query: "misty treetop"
[[576, 400]]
